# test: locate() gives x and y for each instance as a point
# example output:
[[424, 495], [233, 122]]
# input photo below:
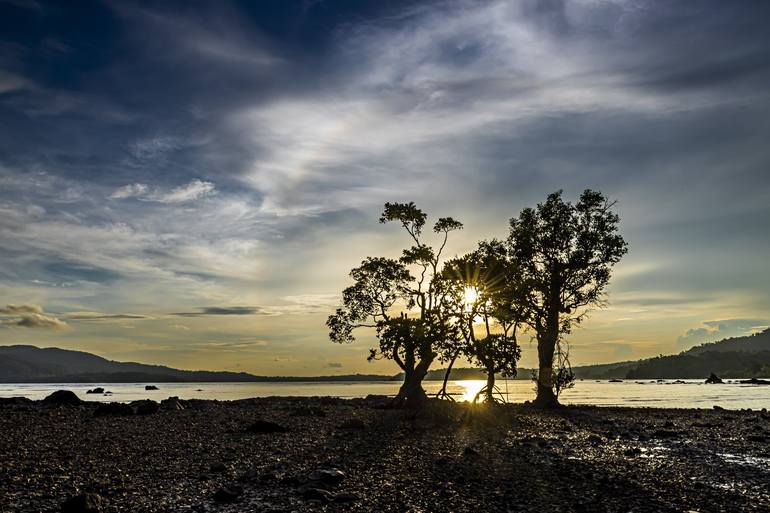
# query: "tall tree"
[[564, 254], [403, 300], [482, 286]]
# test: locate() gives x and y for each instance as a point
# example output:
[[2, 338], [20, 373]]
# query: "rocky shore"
[[324, 454]]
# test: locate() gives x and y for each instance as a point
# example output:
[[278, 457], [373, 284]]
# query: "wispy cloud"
[[222, 310], [196, 189]]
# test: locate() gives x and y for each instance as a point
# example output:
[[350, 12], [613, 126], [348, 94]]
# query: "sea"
[[647, 393]]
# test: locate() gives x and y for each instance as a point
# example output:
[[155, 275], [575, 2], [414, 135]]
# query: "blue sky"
[[189, 182]]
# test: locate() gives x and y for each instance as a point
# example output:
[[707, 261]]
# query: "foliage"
[[403, 300]]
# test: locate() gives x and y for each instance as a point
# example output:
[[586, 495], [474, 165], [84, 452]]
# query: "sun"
[[471, 295]]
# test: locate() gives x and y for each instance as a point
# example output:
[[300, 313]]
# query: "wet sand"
[[351, 455]]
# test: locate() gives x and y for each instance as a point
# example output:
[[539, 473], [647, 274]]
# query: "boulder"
[[714, 380], [228, 493], [317, 494], [616, 381], [59, 397], [327, 476], [113, 409], [150, 387], [172, 403], [83, 503], [754, 381], [97, 390], [145, 407], [15, 401], [266, 426]]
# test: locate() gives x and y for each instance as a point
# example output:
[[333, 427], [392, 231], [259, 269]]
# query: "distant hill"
[[30, 364]]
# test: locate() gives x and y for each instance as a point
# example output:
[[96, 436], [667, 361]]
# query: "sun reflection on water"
[[471, 387]]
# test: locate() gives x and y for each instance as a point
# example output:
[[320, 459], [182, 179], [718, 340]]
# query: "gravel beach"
[[325, 454]]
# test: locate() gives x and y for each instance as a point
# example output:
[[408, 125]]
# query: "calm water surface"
[[665, 394]]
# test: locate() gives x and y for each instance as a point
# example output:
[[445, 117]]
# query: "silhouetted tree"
[[482, 287], [404, 301], [564, 254]]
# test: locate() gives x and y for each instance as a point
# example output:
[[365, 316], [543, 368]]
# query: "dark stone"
[[229, 493], [353, 424], [218, 467], [266, 426], [172, 403], [83, 503], [470, 452], [317, 494], [718, 408], [113, 409], [308, 411], [714, 380], [616, 381], [150, 387], [330, 476], [754, 381], [15, 401], [97, 390], [63, 397], [346, 497], [666, 433], [632, 452], [146, 407]]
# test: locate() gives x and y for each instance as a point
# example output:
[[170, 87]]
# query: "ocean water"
[[658, 394]]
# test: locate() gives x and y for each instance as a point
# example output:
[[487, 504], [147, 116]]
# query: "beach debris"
[[59, 397], [83, 503], [266, 426]]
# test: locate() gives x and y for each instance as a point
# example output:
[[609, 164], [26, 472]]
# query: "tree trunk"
[[442, 393], [546, 345], [411, 394], [490, 388]]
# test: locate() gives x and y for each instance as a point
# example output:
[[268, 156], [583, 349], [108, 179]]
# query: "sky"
[[189, 183]]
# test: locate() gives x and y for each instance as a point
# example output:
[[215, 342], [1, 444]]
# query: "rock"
[[595, 439], [632, 452], [146, 407], [228, 493], [680, 382], [266, 426], [97, 390], [113, 409], [218, 467], [616, 381], [172, 403], [353, 424], [67, 397], [83, 503], [150, 387], [718, 408], [317, 494], [15, 401], [330, 476], [470, 452], [754, 381], [666, 433], [346, 497], [713, 380]]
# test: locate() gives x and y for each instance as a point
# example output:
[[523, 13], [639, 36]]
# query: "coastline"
[[200, 456]]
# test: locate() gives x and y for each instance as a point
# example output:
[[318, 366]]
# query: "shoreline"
[[350, 455]]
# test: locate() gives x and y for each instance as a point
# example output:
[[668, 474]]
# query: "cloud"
[[196, 189], [712, 331], [334, 365], [29, 316], [222, 310], [98, 316]]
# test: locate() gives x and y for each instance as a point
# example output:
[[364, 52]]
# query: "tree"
[[482, 287], [564, 255], [404, 301]]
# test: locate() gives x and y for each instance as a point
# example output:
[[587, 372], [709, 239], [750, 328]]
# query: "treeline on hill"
[[550, 271]]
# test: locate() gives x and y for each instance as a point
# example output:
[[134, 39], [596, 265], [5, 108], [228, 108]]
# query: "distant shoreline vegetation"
[[740, 357]]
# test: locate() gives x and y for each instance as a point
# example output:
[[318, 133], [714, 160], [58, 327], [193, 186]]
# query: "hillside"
[[30, 364]]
